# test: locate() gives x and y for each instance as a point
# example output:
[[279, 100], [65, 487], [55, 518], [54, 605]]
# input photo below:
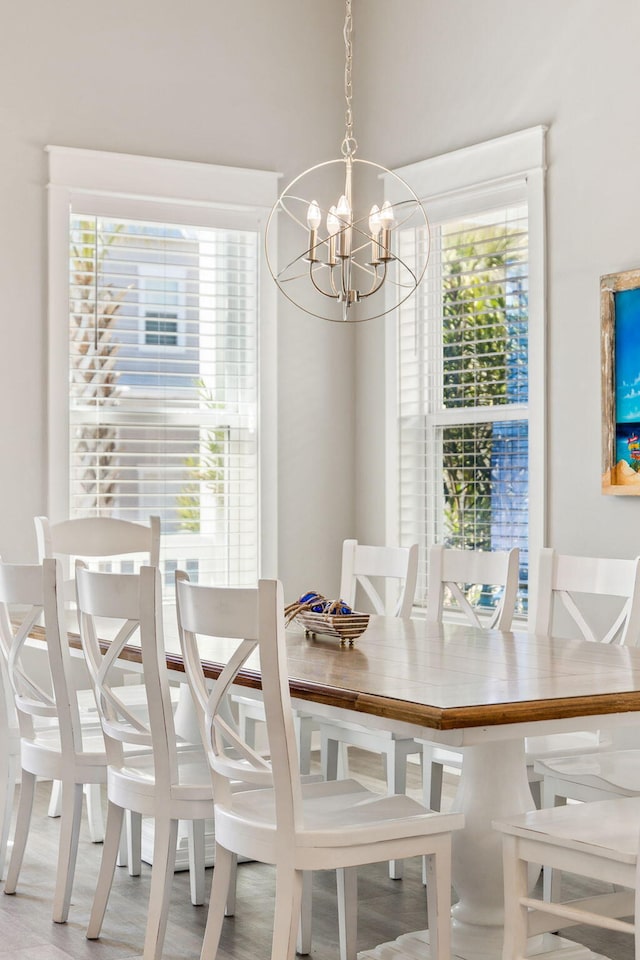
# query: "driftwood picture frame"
[[620, 345]]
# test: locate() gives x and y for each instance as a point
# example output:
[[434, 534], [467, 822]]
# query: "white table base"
[[415, 946], [493, 783]]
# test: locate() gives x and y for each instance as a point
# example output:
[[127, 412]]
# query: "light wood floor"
[[387, 908]]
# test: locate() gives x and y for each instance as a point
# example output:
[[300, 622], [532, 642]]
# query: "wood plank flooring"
[[387, 908]]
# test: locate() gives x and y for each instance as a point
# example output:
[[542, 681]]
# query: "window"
[[469, 383], [162, 304], [160, 328]]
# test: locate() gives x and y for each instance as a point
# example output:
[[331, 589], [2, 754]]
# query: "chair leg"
[[329, 757], [55, 800], [347, 887], [287, 912], [12, 769], [432, 777], [130, 851], [516, 885], [304, 729], [195, 841], [222, 877], [134, 842], [95, 819], [113, 833], [551, 879], [230, 907], [396, 783], [439, 901], [536, 793], [122, 860], [67, 849], [25, 806], [165, 837], [303, 945]]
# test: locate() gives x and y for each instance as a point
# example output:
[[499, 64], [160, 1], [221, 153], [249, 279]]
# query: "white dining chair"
[[100, 541], [595, 840], [566, 582], [169, 781], [586, 777], [54, 743], [453, 575], [296, 827], [385, 579]]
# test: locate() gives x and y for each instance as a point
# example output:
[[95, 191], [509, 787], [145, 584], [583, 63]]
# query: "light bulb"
[[387, 219], [314, 216], [374, 221], [343, 210], [333, 224]]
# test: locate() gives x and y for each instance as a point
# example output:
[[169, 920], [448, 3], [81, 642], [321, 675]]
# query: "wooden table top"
[[449, 676]]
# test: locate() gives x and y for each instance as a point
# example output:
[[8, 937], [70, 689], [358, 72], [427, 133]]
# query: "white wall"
[[259, 83], [247, 83], [446, 75]]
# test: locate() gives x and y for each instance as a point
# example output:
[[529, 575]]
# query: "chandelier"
[[348, 265]]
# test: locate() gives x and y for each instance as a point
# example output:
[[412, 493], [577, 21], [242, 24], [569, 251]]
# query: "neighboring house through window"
[[160, 328], [468, 379]]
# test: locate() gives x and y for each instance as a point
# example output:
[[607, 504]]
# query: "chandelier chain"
[[349, 144]]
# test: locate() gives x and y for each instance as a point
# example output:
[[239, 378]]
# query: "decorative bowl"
[[345, 627], [329, 618]]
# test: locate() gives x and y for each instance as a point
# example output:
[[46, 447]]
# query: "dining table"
[[479, 691]]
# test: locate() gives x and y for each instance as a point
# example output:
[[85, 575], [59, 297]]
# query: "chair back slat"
[[98, 537], [126, 603], [464, 604], [454, 571]]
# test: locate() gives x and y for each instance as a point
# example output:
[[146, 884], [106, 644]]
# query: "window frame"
[[450, 185], [153, 188]]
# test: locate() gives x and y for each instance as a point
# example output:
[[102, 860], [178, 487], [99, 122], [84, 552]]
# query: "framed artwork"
[[620, 344]]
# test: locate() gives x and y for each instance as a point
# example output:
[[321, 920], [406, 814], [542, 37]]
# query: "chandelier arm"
[[402, 286], [336, 292], [378, 284], [318, 288], [345, 278]]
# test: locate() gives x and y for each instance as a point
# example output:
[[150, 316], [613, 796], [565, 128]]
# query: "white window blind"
[[163, 394], [463, 384]]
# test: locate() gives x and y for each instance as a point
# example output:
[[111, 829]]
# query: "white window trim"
[[441, 183], [241, 195]]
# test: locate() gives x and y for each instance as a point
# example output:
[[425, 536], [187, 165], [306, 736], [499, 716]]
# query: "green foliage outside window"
[[482, 347]]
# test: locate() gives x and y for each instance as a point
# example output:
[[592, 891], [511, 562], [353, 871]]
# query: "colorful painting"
[[620, 315]]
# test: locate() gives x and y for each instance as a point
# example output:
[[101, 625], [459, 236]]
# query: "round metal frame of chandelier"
[[350, 262]]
